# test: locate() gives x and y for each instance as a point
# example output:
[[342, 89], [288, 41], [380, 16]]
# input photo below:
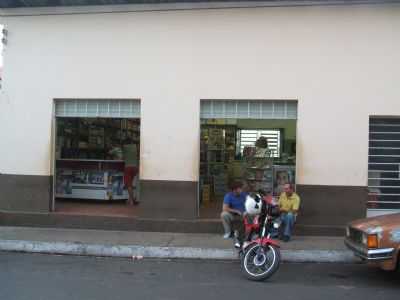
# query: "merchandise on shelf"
[[283, 175], [220, 184], [206, 194], [85, 138], [259, 168], [236, 169], [216, 138], [217, 153]]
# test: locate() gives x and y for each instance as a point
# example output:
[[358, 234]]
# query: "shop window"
[[98, 108], [248, 137], [248, 109]]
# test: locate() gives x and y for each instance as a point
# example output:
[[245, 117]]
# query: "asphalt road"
[[36, 277]]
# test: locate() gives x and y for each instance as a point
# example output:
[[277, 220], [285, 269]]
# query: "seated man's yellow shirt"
[[289, 204]]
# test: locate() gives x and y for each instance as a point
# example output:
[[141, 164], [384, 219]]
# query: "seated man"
[[289, 203], [233, 211]]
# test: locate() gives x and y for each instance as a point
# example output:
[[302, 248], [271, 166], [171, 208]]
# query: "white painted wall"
[[340, 62]]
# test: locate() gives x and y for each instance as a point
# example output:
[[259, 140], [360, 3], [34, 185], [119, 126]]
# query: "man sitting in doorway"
[[289, 203], [130, 155], [233, 210]]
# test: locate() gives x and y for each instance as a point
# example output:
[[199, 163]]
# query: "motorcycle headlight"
[[276, 225]]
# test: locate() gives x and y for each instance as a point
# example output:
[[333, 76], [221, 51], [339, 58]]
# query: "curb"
[[77, 248]]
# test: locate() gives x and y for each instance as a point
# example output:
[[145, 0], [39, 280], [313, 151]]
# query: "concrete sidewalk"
[[159, 245]]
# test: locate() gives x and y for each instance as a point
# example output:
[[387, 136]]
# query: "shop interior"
[[89, 165], [259, 153]]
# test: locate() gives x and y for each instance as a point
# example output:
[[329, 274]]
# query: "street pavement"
[[53, 277]]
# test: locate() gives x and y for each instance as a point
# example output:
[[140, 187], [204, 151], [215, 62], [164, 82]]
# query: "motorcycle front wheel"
[[260, 262]]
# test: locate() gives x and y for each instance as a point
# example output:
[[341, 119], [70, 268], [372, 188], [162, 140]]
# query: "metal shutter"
[[384, 164], [248, 109], [103, 108]]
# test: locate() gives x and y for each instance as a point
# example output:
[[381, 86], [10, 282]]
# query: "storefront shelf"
[[259, 180], [92, 160], [87, 184]]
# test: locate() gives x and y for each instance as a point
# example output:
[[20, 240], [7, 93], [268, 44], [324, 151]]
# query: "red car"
[[376, 240]]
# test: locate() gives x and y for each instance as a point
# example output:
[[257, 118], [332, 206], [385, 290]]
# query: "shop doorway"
[[253, 142], [95, 141]]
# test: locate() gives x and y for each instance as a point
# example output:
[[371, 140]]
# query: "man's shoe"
[[237, 245], [227, 235], [286, 238]]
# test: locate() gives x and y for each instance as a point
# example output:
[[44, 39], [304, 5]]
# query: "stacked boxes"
[[206, 191]]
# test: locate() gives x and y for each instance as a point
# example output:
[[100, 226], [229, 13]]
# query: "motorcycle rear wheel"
[[260, 262]]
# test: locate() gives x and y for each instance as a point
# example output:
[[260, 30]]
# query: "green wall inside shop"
[[289, 126]]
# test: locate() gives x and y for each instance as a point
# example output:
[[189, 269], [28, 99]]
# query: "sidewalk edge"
[[77, 248]]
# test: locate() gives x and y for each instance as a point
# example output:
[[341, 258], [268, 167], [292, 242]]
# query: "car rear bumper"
[[369, 254]]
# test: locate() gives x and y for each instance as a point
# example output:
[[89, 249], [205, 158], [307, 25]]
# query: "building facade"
[[339, 63]]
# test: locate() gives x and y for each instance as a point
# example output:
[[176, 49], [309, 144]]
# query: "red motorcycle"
[[259, 253]]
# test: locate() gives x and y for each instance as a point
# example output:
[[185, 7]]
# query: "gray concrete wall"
[[31, 193], [168, 199], [331, 205]]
